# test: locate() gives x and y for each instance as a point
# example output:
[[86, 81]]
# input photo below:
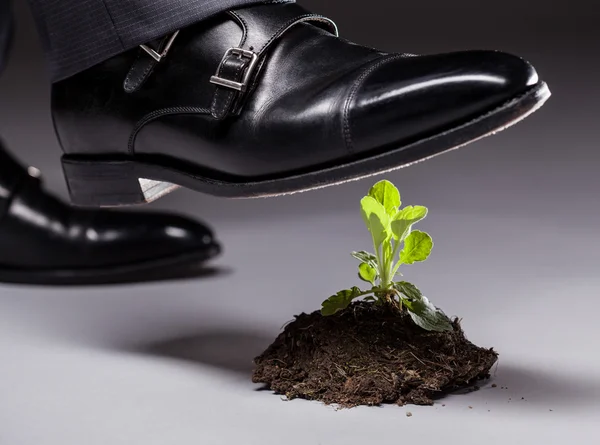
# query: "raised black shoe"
[[268, 100], [45, 241]]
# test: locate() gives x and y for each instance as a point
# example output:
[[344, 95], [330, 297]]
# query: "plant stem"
[[378, 259], [367, 292], [386, 267], [395, 269], [383, 272]]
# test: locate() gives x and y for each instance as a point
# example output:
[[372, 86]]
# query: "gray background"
[[515, 222]]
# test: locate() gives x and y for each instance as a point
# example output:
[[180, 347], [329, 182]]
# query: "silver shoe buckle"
[[238, 86], [159, 56]]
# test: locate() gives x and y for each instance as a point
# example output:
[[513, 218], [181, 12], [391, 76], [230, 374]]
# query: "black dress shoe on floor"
[[267, 100], [44, 241]]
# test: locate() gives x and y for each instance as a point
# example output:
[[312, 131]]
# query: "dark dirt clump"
[[368, 355]]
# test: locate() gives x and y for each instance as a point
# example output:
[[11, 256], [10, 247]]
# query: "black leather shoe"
[[44, 241], [267, 100]]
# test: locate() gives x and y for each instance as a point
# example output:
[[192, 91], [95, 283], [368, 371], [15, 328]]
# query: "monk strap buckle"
[[159, 56], [249, 57]]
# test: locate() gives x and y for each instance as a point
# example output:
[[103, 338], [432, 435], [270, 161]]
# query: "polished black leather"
[[39, 232], [314, 100]]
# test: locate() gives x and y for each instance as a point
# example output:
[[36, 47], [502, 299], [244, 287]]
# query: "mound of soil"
[[368, 355]]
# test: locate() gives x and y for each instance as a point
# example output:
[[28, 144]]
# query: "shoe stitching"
[[156, 115], [292, 23], [347, 130], [129, 82], [244, 26]]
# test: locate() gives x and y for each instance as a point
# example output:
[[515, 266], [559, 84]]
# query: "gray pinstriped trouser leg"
[[6, 27], [77, 34]]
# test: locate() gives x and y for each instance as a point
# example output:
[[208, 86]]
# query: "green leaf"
[[367, 273], [369, 205], [366, 257], [420, 309], [404, 220], [417, 247], [409, 290], [386, 194], [340, 301], [376, 219], [427, 316], [379, 230]]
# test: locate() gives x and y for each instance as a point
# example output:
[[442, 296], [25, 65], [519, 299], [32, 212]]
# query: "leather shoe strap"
[[262, 26], [238, 72], [146, 61]]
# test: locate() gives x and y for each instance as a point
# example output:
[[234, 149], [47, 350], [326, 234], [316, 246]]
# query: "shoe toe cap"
[[403, 99], [130, 237], [174, 234]]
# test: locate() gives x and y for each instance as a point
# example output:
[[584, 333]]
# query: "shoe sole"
[[177, 266], [101, 182]]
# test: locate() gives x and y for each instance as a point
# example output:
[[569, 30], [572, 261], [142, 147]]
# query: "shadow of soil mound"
[[370, 355], [228, 350]]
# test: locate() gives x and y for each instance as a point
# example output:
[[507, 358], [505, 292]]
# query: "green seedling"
[[395, 243]]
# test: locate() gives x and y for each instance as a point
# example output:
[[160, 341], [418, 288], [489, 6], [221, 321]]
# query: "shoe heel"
[[94, 183]]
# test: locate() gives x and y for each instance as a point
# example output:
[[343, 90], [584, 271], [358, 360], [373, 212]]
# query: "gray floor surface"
[[515, 222]]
